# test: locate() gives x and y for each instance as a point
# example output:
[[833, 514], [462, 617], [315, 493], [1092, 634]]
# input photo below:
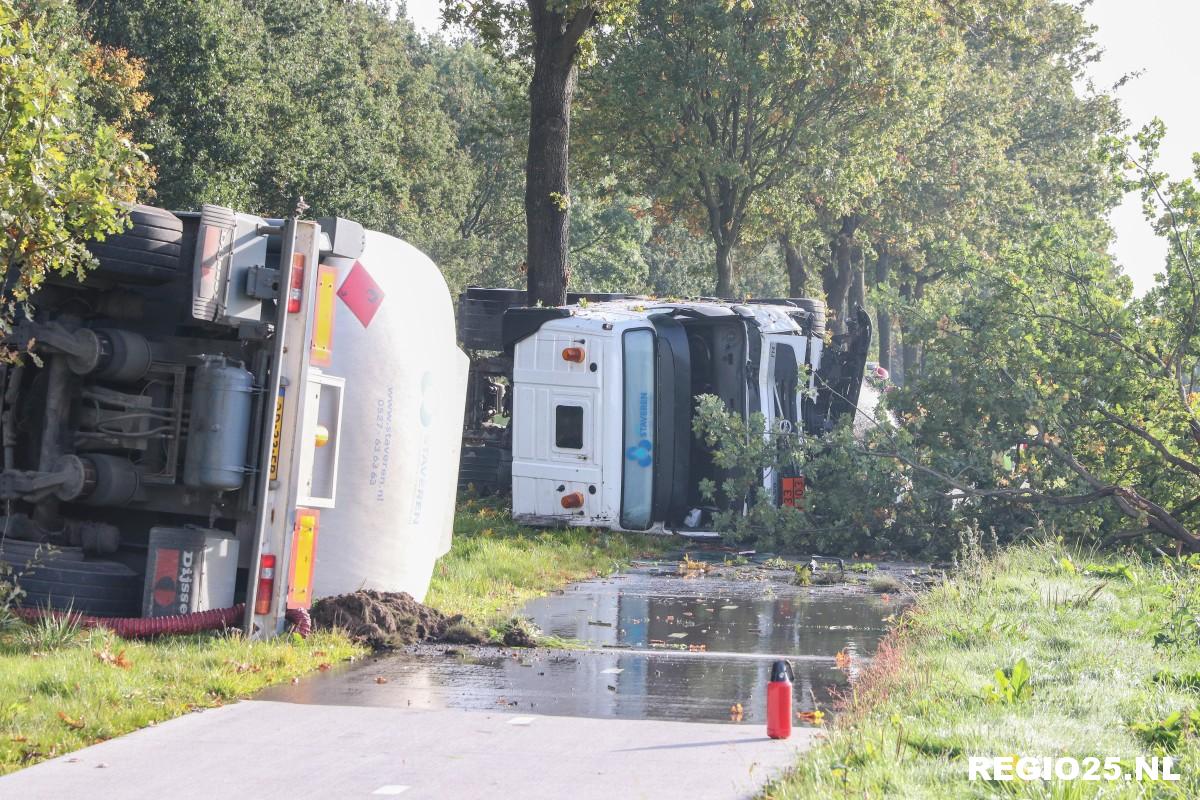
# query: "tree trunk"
[[797, 275], [882, 313], [547, 190], [829, 275], [913, 292], [858, 284], [843, 263], [724, 270]]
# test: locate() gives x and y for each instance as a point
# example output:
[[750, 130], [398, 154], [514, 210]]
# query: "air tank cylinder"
[[220, 425]]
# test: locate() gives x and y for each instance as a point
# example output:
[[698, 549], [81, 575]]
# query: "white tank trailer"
[[230, 409]]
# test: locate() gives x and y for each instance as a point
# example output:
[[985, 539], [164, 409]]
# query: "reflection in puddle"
[[655, 647]]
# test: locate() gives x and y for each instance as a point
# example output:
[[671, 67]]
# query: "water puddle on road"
[[651, 645]]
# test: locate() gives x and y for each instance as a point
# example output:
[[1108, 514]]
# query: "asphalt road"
[[259, 749], [641, 708]]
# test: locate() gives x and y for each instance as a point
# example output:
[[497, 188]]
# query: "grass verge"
[[495, 565], [1113, 652], [62, 688], [65, 689]]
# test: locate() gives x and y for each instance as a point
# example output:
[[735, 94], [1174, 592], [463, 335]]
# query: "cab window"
[[637, 476], [568, 427]]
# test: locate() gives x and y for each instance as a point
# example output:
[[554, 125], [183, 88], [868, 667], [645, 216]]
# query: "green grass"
[[495, 565], [94, 686], [1113, 653], [62, 688]]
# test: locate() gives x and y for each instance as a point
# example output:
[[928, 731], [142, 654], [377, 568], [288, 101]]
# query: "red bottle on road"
[[779, 700]]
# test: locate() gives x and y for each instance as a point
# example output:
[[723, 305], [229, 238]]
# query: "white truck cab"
[[601, 396]]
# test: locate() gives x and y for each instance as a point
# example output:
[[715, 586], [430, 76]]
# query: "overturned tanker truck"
[[231, 409], [585, 411]]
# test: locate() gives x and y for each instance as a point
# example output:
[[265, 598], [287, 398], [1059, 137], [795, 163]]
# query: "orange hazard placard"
[[792, 490]]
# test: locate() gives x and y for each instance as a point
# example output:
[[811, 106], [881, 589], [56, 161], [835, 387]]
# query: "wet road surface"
[[647, 644], [631, 712]]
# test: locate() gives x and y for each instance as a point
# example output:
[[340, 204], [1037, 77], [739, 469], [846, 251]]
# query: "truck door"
[[557, 437]]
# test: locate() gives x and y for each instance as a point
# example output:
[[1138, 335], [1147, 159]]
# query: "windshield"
[[637, 485]]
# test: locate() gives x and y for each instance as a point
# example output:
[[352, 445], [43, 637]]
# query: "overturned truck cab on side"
[[231, 409], [599, 397]]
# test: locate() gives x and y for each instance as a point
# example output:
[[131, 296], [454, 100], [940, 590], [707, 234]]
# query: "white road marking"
[[391, 789], [520, 721], [612, 671]]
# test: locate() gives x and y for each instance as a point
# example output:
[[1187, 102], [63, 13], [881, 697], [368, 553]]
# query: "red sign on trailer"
[[361, 294]]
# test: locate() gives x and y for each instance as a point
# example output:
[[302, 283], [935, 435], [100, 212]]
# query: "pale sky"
[[1154, 37]]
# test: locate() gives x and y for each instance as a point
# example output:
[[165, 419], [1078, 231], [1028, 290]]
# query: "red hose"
[[146, 627]]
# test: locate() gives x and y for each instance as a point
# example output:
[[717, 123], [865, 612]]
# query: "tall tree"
[[554, 34], [322, 99], [719, 103]]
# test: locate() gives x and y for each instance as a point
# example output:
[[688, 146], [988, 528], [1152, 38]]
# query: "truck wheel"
[[480, 312], [147, 252], [63, 580], [485, 467], [817, 309]]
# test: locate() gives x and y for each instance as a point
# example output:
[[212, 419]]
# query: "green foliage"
[[495, 565], [51, 632], [333, 102], [65, 168], [852, 499], [885, 583], [1011, 684], [1168, 734], [1111, 571], [53, 701], [825, 89], [916, 712], [10, 591], [516, 632], [744, 451], [1181, 627]]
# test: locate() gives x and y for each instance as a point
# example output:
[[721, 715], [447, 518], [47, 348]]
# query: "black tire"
[[146, 253], [816, 308], [155, 217], [63, 580], [19, 552], [480, 316], [152, 233], [595, 297], [486, 467]]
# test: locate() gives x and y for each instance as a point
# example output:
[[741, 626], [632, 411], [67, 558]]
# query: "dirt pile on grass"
[[386, 620]]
